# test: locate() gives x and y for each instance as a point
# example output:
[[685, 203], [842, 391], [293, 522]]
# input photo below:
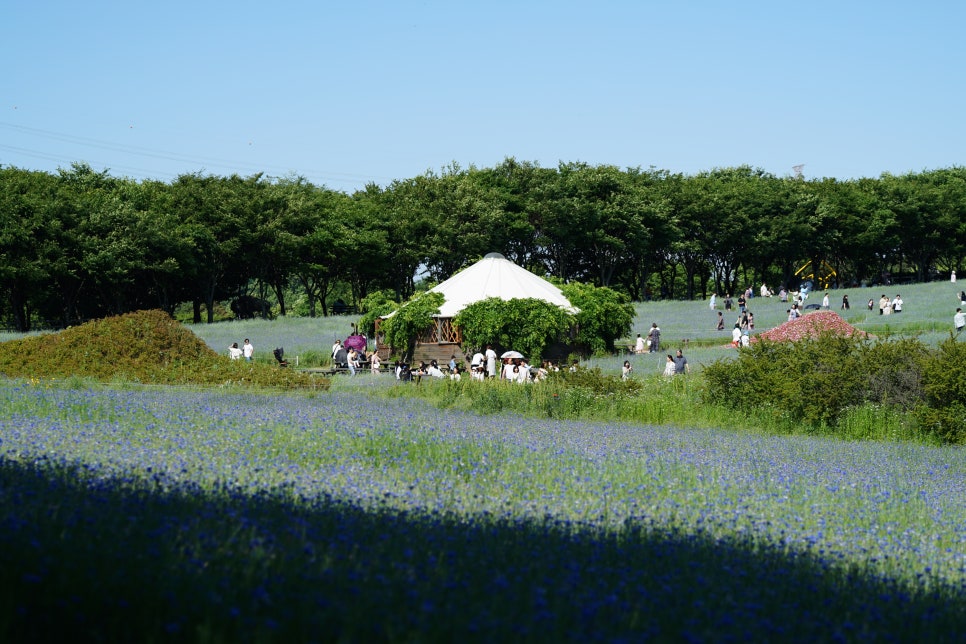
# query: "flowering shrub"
[[810, 326]]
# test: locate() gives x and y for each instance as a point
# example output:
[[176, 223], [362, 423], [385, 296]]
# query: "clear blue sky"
[[347, 93]]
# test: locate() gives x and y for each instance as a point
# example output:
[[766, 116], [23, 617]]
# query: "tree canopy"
[[79, 244]]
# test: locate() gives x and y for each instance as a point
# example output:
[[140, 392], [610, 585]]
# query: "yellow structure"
[[824, 276]]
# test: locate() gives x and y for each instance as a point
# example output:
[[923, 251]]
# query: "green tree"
[[28, 245], [605, 315], [375, 305]]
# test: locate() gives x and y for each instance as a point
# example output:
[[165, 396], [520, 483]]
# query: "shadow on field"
[[91, 558]]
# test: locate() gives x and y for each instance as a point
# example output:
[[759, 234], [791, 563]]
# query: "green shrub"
[[526, 325], [410, 320], [145, 347], [815, 380], [943, 412]]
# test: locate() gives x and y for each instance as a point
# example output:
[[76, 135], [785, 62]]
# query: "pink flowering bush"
[[810, 326]]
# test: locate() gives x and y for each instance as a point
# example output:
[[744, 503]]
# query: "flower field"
[[183, 514]]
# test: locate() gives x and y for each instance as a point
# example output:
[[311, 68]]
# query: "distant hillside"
[[146, 347]]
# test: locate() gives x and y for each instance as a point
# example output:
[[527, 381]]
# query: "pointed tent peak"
[[496, 276]]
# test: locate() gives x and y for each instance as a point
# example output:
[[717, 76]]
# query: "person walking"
[[248, 350], [669, 366]]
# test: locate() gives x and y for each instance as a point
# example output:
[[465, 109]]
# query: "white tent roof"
[[496, 276]]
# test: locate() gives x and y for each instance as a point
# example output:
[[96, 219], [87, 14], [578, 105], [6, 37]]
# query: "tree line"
[[79, 244]]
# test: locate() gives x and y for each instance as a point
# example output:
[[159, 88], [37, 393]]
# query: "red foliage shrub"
[[810, 326]]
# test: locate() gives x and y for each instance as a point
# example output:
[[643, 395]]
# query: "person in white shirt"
[[639, 346], [490, 361], [507, 372], [434, 370], [897, 304], [477, 361], [959, 320], [234, 352], [248, 350]]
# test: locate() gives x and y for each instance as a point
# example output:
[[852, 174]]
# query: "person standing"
[[714, 299], [735, 336], [639, 346], [234, 352], [477, 362], [490, 361], [845, 302], [883, 303], [825, 304], [669, 366], [959, 321], [897, 304], [654, 335], [248, 350], [681, 364], [374, 362], [720, 326], [728, 303]]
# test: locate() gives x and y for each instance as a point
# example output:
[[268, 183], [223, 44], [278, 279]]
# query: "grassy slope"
[[145, 346]]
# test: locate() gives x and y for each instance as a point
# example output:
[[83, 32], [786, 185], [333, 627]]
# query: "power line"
[[203, 162]]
